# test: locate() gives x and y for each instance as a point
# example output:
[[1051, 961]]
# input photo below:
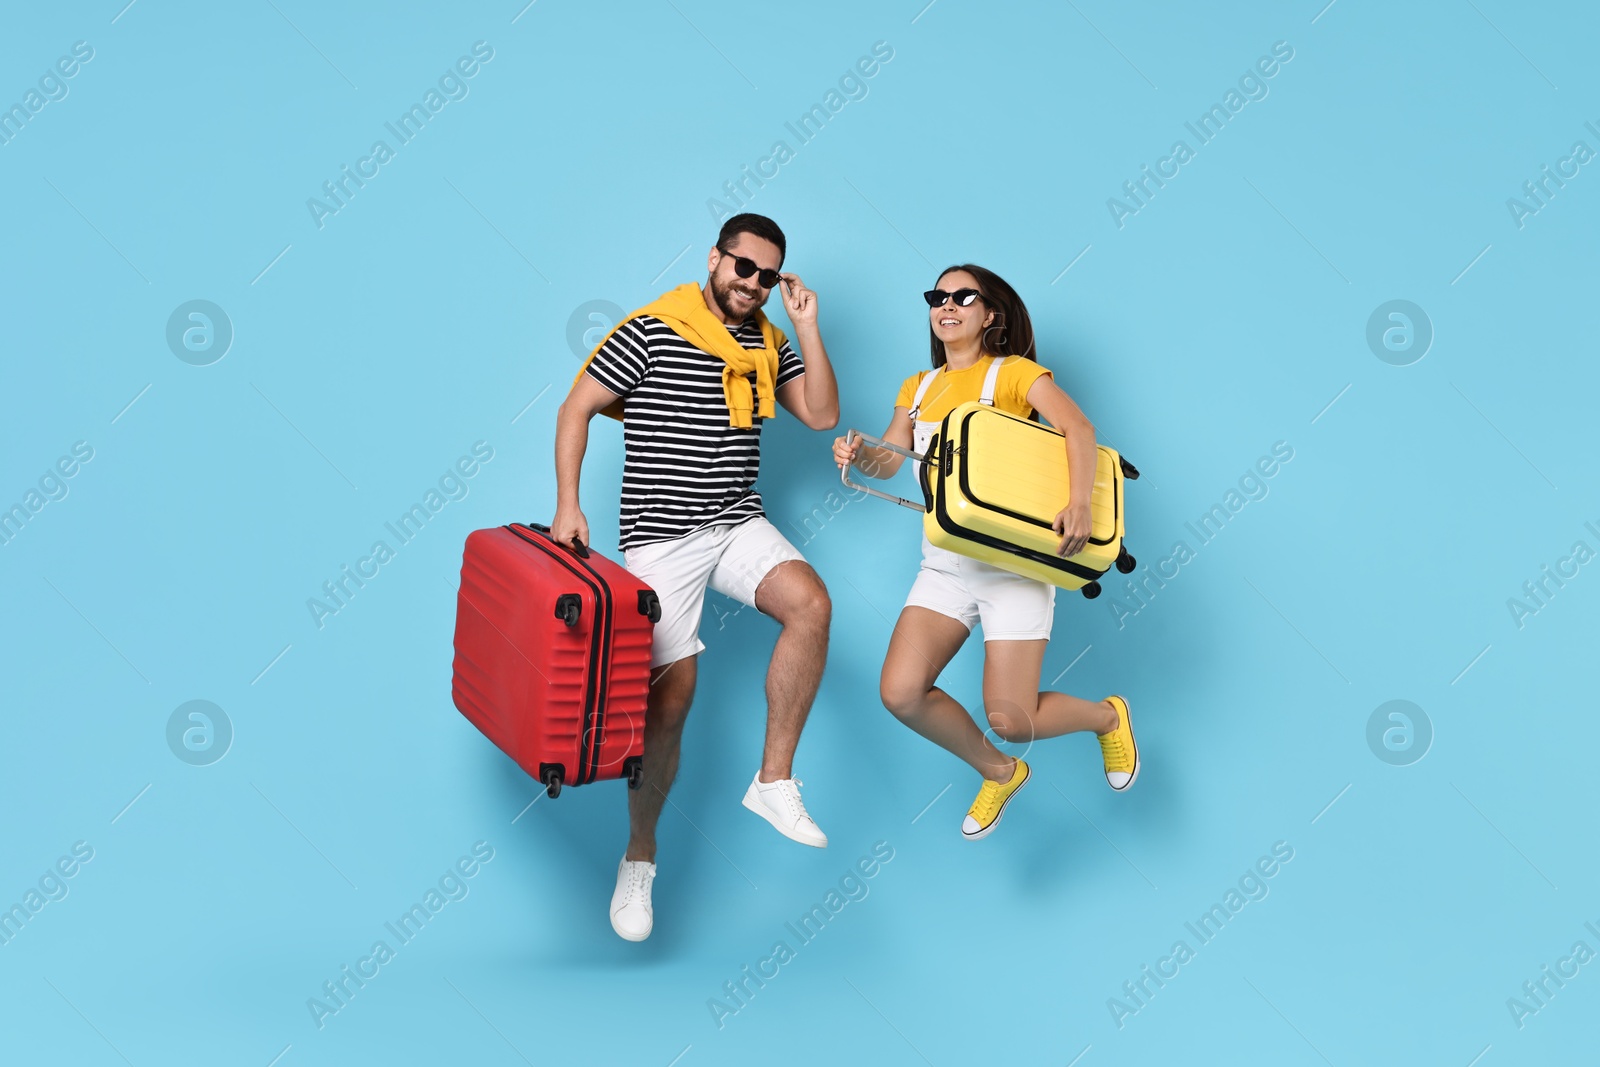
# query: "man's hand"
[[1074, 526], [798, 301], [568, 524]]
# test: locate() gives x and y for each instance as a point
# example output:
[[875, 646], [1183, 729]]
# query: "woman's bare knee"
[[1008, 721], [903, 697]]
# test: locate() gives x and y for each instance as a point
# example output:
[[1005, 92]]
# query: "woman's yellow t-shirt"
[[952, 389]]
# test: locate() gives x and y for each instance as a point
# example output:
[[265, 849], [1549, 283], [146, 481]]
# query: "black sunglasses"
[[745, 267], [962, 297]]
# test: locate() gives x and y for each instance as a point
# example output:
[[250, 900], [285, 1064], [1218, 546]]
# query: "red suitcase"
[[552, 655]]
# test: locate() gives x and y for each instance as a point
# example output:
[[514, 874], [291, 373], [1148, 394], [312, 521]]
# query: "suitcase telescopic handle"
[[852, 436], [578, 547]]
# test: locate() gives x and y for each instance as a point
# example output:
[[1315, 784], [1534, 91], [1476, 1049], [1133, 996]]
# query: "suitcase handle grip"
[[577, 547], [922, 472], [851, 436]]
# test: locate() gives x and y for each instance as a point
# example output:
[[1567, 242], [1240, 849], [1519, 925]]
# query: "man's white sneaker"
[[779, 803], [631, 914]]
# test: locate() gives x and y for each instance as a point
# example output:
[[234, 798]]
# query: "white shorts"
[[731, 559], [1011, 607]]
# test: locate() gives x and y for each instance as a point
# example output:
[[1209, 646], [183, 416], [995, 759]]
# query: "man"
[[693, 376]]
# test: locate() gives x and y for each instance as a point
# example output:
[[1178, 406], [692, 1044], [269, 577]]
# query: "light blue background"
[[428, 313]]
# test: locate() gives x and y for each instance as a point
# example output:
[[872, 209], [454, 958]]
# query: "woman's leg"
[[1018, 711], [924, 642]]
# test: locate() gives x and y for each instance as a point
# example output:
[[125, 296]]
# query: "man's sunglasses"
[[745, 267], [962, 297]]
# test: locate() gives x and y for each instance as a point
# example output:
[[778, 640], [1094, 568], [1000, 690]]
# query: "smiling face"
[[958, 325], [740, 297]]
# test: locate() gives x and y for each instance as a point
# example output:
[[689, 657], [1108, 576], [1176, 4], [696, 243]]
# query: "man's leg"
[[793, 595], [759, 566], [671, 692], [678, 571]]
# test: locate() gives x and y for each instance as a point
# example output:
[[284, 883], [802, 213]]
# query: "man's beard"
[[724, 293]]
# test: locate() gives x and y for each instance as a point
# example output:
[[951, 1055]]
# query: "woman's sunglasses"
[[745, 267], [962, 297]]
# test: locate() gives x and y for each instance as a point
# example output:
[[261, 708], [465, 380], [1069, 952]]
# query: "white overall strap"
[[991, 380], [922, 391]]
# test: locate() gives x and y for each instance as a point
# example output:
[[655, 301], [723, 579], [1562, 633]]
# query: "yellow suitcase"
[[992, 484]]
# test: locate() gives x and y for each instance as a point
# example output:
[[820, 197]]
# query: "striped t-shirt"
[[684, 467]]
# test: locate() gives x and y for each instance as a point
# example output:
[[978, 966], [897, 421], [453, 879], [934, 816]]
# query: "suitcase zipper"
[[966, 490], [597, 721], [1076, 569], [605, 618], [942, 516], [599, 656]]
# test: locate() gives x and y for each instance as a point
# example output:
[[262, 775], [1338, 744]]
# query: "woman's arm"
[[1073, 522], [877, 462]]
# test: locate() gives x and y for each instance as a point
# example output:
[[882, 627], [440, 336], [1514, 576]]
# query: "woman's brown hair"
[[1011, 332]]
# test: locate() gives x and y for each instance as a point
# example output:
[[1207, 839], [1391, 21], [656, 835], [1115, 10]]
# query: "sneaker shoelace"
[[1114, 751], [638, 879], [988, 800], [789, 788]]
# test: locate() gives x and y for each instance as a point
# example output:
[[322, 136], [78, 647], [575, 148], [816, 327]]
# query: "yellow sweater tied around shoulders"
[[684, 310]]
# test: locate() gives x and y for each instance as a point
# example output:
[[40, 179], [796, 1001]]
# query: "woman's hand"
[[845, 451], [1074, 526]]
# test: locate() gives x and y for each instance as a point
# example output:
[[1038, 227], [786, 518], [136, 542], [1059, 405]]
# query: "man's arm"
[[813, 398], [586, 400]]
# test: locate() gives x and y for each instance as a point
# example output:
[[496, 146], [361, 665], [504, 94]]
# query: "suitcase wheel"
[[550, 774], [1090, 591], [1125, 562], [634, 771], [650, 605], [1129, 471], [568, 607]]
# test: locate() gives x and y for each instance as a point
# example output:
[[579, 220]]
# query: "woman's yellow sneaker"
[[1118, 749], [984, 815]]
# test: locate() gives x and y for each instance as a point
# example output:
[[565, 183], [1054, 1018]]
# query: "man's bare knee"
[[818, 605], [791, 592], [810, 608]]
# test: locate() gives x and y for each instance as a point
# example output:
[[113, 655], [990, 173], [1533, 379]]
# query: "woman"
[[982, 344]]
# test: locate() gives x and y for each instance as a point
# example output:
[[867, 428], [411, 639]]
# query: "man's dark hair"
[[759, 225]]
